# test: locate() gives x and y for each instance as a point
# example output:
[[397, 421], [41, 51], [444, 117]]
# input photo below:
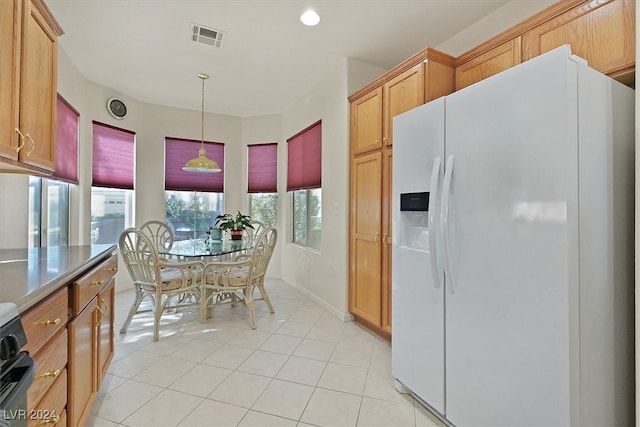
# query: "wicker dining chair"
[[258, 228], [229, 282], [159, 233], [167, 284]]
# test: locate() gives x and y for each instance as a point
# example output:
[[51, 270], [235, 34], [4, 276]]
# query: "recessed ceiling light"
[[310, 18]]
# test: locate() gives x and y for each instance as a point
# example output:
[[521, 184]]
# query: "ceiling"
[[268, 60]]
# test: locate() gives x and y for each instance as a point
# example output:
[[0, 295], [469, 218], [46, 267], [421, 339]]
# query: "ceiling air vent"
[[206, 35]]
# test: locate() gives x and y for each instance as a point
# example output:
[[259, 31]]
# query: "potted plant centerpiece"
[[235, 225]]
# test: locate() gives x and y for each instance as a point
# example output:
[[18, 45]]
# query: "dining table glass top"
[[195, 248]]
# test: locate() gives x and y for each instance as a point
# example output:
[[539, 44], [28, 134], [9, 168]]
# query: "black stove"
[[17, 368]]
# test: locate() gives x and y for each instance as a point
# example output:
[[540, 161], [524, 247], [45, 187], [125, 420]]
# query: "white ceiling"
[[143, 48]]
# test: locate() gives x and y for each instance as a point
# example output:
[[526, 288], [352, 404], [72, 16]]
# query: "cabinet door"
[[486, 65], [82, 363], [38, 90], [387, 192], [106, 303], [439, 79], [365, 253], [400, 94], [10, 15], [366, 122], [603, 35]]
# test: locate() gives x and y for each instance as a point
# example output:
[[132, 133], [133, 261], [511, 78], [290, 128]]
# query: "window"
[[48, 198], [304, 167], [307, 217], [112, 199], [262, 167], [190, 213], [48, 212], [35, 209], [192, 200]]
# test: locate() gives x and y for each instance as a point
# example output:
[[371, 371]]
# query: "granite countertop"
[[29, 275]]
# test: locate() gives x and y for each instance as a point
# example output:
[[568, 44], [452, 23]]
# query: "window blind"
[[177, 152], [304, 159], [262, 165], [66, 142], [112, 156]]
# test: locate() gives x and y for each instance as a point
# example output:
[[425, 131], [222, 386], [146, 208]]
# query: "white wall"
[[14, 221], [321, 274], [493, 24]]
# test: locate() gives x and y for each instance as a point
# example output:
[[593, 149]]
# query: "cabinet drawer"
[[45, 319], [50, 410], [87, 287], [50, 362]]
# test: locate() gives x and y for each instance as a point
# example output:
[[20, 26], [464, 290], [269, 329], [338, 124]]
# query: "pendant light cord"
[[202, 117]]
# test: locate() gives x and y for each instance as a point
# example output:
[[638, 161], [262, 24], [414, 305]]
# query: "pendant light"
[[202, 163]]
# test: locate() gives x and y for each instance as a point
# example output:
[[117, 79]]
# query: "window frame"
[[39, 211], [308, 219]]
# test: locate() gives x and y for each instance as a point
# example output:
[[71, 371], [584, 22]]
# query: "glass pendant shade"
[[201, 163]]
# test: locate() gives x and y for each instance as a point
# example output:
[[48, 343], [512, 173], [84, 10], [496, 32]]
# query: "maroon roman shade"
[[262, 165], [178, 152], [112, 156], [304, 160], [66, 142]]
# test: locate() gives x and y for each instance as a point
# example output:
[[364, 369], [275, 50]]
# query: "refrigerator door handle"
[[444, 220], [436, 264]]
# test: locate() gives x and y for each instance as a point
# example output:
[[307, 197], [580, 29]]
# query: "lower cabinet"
[[91, 338], [82, 362], [104, 330], [45, 328], [70, 335]]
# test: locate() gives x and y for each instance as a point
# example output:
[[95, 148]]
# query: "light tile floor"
[[302, 366]]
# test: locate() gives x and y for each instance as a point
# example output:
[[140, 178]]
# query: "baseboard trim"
[[345, 317]]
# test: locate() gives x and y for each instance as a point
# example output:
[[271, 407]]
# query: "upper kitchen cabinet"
[[366, 122], [400, 94], [28, 63], [425, 76], [489, 63], [602, 32]]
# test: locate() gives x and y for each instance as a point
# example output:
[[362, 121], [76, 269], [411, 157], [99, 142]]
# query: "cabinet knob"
[[384, 139], [97, 282], [53, 374], [50, 322], [111, 269], [54, 419], [19, 147]]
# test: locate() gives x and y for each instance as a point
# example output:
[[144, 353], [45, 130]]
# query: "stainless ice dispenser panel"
[[414, 202]]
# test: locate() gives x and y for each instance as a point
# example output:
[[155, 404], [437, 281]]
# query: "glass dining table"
[[218, 250]]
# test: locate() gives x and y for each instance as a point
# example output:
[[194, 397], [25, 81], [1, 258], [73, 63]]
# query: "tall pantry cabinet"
[[425, 76]]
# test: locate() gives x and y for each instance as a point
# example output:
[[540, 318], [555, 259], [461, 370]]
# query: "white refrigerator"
[[513, 231]]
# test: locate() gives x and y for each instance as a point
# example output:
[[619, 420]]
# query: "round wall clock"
[[117, 108]]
